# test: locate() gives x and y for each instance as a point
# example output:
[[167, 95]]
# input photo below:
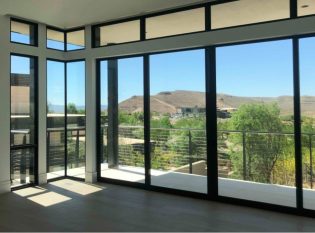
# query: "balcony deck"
[[268, 193]]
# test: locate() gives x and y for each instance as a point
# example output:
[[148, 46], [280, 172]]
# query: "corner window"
[[55, 39], [75, 40]]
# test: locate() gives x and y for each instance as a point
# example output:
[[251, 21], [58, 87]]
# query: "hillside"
[[168, 102]]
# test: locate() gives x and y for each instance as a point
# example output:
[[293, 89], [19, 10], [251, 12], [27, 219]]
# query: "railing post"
[[31, 166], [48, 150], [311, 161], [23, 163], [244, 155], [102, 156], [190, 152], [112, 111], [77, 148], [11, 158]]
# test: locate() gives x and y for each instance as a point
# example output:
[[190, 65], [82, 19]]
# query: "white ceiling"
[[73, 13]]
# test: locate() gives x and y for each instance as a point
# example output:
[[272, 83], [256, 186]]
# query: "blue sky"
[[260, 69], [75, 83], [20, 65], [55, 83], [55, 75], [168, 72], [307, 66], [257, 69], [16, 37]]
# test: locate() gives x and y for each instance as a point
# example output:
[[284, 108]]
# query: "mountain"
[[165, 102], [169, 102]]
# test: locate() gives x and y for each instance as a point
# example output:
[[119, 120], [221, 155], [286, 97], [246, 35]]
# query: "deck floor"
[[267, 193]]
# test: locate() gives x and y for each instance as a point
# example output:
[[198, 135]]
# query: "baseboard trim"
[[5, 186], [42, 178], [90, 177]]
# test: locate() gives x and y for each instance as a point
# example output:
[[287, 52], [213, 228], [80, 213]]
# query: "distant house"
[[20, 94], [191, 111], [225, 112]]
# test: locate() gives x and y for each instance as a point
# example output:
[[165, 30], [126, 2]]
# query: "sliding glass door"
[[255, 121], [307, 98], [122, 132], [163, 96], [178, 121], [177, 109]]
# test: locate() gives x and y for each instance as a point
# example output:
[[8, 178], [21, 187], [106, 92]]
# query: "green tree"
[[189, 137], [72, 108], [49, 108], [160, 128], [259, 126], [131, 119]]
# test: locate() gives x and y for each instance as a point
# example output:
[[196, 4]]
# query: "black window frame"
[[183, 9], [65, 62], [211, 125], [36, 129], [65, 32], [98, 26], [31, 24], [66, 38], [293, 10], [57, 30]]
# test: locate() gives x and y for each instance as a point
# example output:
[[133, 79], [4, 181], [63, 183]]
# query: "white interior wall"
[[240, 34], [42, 53], [4, 104]]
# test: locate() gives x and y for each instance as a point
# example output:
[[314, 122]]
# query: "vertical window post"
[[113, 113]]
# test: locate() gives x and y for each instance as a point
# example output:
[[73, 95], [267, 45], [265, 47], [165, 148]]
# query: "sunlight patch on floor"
[[49, 199], [29, 191], [76, 186]]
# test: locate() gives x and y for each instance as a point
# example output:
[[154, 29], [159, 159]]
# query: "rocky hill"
[[169, 102]]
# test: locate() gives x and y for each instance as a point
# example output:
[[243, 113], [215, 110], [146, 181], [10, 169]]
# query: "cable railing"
[[266, 157], [21, 157], [56, 148], [22, 152]]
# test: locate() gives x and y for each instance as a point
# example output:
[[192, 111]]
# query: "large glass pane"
[[247, 12], [117, 33], [24, 33], [55, 119], [175, 23], [76, 119], [55, 39], [256, 157], [178, 125], [23, 128], [125, 162], [75, 40], [306, 7], [307, 81]]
